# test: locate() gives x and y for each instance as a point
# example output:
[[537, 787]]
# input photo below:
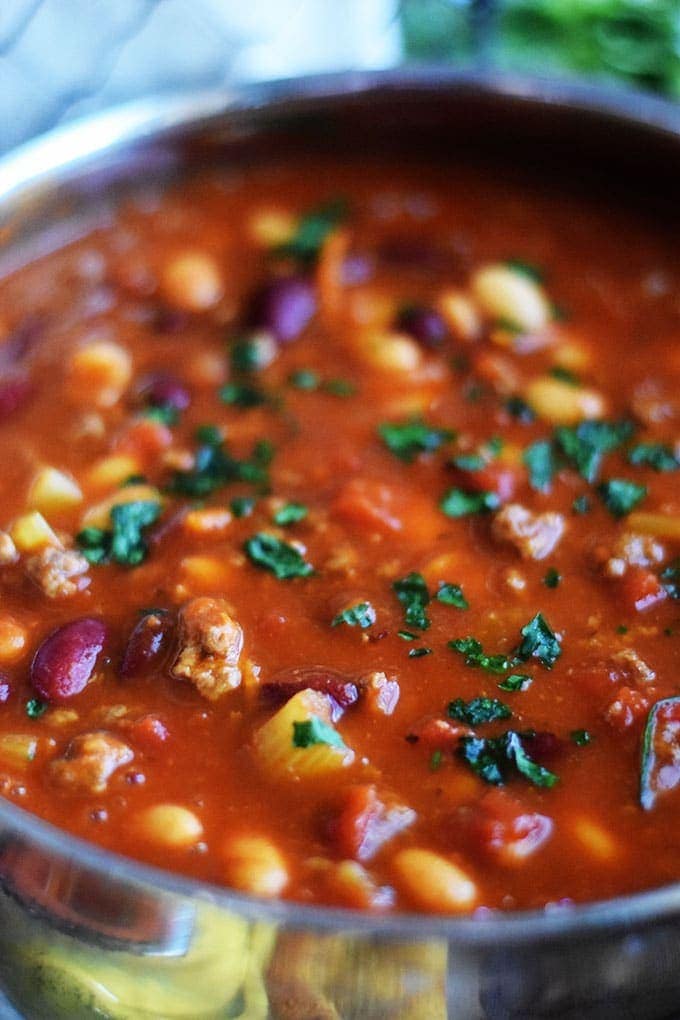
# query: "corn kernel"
[[100, 372], [271, 227], [111, 471], [193, 281], [53, 490], [391, 352], [31, 532], [561, 403]]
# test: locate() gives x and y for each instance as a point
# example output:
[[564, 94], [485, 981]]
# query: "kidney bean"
[[543, 746], [147, 645], [161, 389], [425, 325], [15, 390], [283, 307], [65, 661], [342, 691]]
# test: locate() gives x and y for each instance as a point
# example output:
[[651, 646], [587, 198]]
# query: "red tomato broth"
[[106, 286]]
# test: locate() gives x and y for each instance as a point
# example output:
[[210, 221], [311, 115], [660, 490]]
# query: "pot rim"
[[69, 150]]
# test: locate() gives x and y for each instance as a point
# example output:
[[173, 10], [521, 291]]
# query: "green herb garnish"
[[552, 578], [242, 506], [458, 503], [124, 542], [282, 559], [527, 269], [451, 595], [475, 655], [315, 731], [164, 414], [515, 682], [304, 379], [585, 445], [654, 455], [312, 230], [242, 395], [417, 653], [520, 410], [413, 594], [407, 439], [541, 463], [35, 708], [670, 578], [340, 387], [581, 737], [360, 615], [291, 513], [581, 505], [620, 495], [494, 759], [539, 642], [565, 375], [478, 710]]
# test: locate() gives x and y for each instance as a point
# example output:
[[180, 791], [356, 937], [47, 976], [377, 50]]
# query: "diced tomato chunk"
[[368, 504], [148, 733], [364, 822], [641, 589], [146, 438], [502, 829]]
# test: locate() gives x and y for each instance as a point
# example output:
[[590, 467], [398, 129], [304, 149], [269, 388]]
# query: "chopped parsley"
[[585, 445], [564, 375], [581, 737], [164, 414], [527, 269], [413, 594], [552, 578], [304, 379], [407, 439], [214, 467], [406, 635], [35, 708], [515, 682], [315, 731], [541, 463], [312, 230], [340, 387], [620, 495], [539, 642], [458, 503], [520, 410], [670, 578], [242, 394], [210, 435], [247, 355], [451, 595], [242, 506], [360, 615], [494, 759], [124, 542], [654, 455], [291, 513], [478, 710], [475, 655], [581, 505], [417, 653], [282, 559], [436, 760]]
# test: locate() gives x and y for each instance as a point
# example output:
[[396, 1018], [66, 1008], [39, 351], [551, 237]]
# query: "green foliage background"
[[631, 41]]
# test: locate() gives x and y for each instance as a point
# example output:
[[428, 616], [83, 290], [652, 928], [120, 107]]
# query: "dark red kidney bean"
[[283, 307], [542, 746], [147, 645], [65, 661], [161, 389], [342, 691], [14, 393], [425, 325]]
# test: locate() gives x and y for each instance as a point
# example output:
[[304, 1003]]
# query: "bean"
[[432, 882], [14, 393], [342, 690], [254, 865], [161, 389], [283, 307], [169, 825], [192, 281], [65, 661], [147, 646], [425, 325]]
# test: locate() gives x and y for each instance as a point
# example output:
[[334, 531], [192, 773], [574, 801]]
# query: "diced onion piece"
[[254, 865], [561, 403], [31, 532], [99, 515], [169, 825], [504, 294], [192, 281], [208, 521], [17, 749], [659, 525], [53, 490], [432, 882], [100, 373], [275, 749]]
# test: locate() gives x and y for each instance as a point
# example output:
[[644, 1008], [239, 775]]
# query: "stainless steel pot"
[[85, 933]]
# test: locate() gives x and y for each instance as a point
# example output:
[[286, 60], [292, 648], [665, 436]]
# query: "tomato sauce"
[[340, 551]]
